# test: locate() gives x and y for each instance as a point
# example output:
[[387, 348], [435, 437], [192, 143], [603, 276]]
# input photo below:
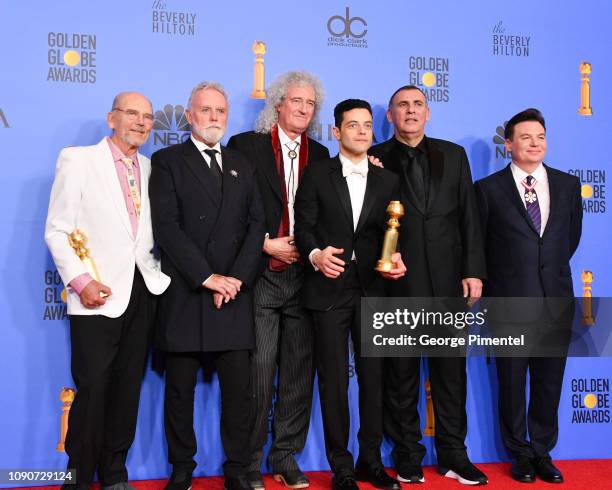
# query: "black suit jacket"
[[257, 147], [520, 262], [440, 241], [200, 234], [323, 216]]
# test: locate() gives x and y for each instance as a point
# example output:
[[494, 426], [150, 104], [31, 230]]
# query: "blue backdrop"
[[480, 62]]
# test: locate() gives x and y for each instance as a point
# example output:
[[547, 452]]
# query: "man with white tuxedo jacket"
[[101, 190]]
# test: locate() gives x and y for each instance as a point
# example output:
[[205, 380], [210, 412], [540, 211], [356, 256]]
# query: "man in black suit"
[[208, 221], [532, 222], [340, 212], [281, 150], [441, 239]]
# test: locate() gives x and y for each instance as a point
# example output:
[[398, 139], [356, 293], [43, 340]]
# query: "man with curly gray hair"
[[281, 150]]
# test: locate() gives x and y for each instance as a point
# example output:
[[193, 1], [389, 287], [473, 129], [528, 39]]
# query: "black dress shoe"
[[292, 479], [410, 473], [522, 470], [464, 472], [377, 477], [236, 483], [255, 480], [344, 482], [75, 486], [179, 481], [546, 470]]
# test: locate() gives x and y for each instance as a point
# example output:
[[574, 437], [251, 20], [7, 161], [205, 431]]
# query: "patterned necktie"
[[531, 202], [131, 180], [215, 168]]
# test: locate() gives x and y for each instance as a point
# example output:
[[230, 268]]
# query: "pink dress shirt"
[[80, 282]]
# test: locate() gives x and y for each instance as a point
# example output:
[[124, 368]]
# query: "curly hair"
[[276, 93]]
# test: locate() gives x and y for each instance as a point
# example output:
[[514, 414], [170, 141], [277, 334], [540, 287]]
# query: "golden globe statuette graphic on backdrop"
[[395, 210], [585, 90], [587, 304], [78, 240], [430, 421], [66, 397], [259, 49]]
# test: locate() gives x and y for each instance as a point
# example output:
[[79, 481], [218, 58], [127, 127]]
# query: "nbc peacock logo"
[[171, 126], [498, 139]]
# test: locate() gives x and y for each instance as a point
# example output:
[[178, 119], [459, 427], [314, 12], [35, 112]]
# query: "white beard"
[[210, 135]]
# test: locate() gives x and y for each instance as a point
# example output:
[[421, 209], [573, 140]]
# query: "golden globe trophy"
[[259, 49], [395, 210], [585, 90], [78, 240], [587, 304], [66, 397]]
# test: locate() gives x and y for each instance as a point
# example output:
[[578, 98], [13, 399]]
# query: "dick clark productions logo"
[[347, 31]]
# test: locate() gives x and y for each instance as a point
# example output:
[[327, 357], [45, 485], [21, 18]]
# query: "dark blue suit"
[[520, 263]]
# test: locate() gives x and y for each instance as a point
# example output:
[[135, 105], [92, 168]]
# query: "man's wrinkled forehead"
[[408, 95]]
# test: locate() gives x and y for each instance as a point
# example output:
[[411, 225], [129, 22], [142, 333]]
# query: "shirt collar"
[[203, 146], [422, 147], [284, 139], [349, 167], [118, 154], [539, 174]]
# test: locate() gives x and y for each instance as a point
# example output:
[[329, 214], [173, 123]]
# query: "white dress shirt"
[[356, 175], [541, 189], [203, 146], [291, 177]]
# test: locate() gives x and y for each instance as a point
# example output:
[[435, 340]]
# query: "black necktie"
[[215, 168], [414, 173]]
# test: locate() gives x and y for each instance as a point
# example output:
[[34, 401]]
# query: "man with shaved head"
[[101, 190], [441, 241]]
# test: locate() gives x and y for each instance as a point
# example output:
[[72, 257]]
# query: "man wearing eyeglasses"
[[101, 190]]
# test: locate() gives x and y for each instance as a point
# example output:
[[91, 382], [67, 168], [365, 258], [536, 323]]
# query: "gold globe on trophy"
[[66, 397], [259, 49], [585, 90], [395, 210], [78, 240], [587, 303]]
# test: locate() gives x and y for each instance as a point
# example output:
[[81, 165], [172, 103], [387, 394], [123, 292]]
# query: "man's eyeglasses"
[[133, 115]]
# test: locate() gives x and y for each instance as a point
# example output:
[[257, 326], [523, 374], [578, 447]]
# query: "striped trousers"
[[283, 349]]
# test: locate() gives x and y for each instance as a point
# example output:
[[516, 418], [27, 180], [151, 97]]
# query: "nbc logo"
[[171, 126], [498, 139]]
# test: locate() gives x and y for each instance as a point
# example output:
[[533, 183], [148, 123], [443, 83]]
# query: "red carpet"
[[595, 474]]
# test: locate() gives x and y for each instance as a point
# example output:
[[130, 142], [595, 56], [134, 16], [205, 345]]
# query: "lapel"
[[104, 158], [553, 188], [230, 183], [436, 167], [144, 193], [507, 183], [197, 165], [341, 187], [268, 164], [369, 197]]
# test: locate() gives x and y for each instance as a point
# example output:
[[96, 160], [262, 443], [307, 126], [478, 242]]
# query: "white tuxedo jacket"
[[86, 194]]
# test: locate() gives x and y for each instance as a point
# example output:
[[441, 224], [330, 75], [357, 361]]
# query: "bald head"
[[120, 99]]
